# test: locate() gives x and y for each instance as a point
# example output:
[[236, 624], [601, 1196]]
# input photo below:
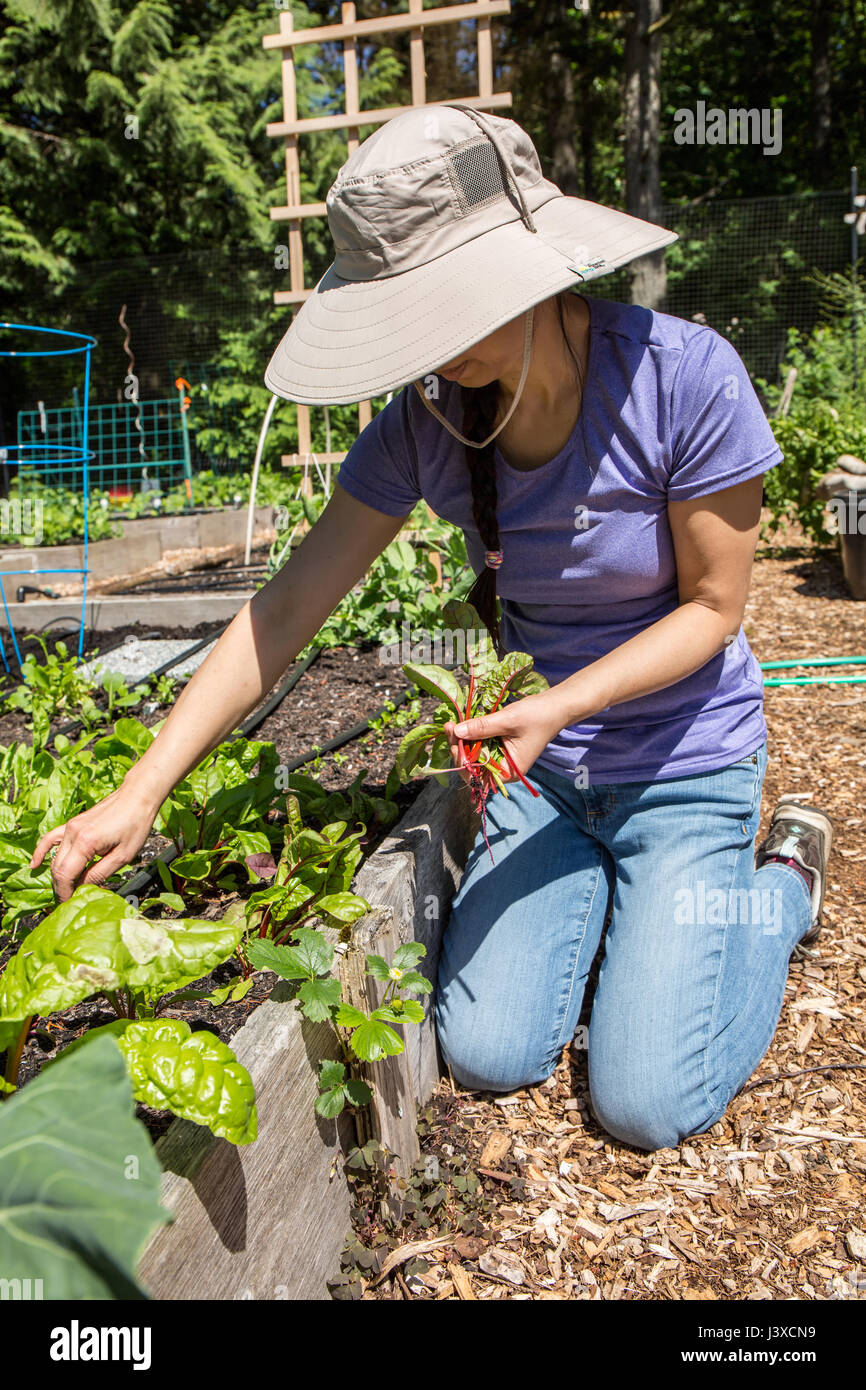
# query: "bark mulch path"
[[525, 1196]]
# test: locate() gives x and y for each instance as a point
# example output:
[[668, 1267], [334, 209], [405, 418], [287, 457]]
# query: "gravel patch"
[[137, 657]]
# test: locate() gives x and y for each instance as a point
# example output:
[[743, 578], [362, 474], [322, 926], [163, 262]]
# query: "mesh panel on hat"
[[477, 172]]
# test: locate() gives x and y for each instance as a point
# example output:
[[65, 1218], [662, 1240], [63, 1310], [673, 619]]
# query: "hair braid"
[[480, 407]]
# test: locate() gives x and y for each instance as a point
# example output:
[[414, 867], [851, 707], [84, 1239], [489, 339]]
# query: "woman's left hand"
[[525, 726]]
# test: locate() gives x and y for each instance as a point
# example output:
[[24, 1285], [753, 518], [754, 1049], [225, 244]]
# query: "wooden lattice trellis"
[[291, 128]]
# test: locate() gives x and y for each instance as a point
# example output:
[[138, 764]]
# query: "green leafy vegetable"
[[194, 1075], [79, 1180]]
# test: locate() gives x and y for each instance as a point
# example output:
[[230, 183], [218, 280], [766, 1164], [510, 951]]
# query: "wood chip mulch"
[[525, 1196]]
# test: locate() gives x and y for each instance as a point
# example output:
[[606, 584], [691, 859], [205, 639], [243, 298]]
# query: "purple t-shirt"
[[668, 411]]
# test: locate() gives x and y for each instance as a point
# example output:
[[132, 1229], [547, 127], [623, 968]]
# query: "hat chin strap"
[[472, 443]]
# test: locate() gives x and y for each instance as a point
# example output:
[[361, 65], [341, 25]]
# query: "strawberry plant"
[[425, 751], [361, 1037]]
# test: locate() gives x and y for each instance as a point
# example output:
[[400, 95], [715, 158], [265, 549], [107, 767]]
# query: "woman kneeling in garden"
[[617, 517]]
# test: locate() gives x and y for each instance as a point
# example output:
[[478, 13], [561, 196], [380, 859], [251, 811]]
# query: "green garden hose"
[[815, 680]]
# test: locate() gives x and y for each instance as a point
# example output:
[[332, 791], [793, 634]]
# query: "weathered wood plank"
[[264, 1221], [415, 873]]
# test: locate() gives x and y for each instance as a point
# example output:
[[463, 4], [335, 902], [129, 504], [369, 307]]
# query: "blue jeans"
[[697, 949]]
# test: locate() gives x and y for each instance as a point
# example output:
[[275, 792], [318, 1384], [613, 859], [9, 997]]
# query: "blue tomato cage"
[[47, 458]]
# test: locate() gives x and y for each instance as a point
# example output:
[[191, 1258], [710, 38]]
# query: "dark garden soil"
[[526, 1196], [13, 725]]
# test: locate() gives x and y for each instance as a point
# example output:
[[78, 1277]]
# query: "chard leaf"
[[345, 907], [96, 941], [193, 867], [235, 990], [261, 866], [463, 617], [513, 675], [529, 683], [172, 900], [439, 683], [193, 1075], [413, 759]]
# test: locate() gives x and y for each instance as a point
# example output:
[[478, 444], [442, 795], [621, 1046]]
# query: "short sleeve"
[[381, 467], [719, 432]]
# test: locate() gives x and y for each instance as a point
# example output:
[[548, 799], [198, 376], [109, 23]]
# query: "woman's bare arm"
[[256, 648]]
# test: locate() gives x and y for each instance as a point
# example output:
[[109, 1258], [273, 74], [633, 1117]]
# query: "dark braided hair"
[[480, 410]]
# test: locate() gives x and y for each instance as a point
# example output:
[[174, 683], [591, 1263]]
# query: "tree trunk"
[[642, 121], [822, 20], [562, 112]]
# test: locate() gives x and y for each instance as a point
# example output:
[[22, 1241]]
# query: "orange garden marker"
[[185, 403]]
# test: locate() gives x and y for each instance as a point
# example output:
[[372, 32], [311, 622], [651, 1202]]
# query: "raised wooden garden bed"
[[269, 1221]]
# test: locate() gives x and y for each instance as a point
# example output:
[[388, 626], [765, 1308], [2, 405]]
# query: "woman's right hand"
[[112, 832]]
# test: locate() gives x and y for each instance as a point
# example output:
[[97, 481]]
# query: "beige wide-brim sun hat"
[[444, 229]]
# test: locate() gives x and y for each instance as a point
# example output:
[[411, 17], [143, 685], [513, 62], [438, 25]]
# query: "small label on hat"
[[590, 265]]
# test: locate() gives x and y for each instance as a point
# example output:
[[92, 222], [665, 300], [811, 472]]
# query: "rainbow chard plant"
[[96, 943], [425, 751]]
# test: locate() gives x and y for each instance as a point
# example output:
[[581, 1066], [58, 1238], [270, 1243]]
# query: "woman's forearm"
[[246, 662], [666, 652], [262, 640]]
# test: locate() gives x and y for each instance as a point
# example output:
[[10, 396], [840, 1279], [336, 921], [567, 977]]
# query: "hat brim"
[[352, 340]]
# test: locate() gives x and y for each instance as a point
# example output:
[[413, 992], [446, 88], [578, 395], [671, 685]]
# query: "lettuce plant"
[[425, 751]]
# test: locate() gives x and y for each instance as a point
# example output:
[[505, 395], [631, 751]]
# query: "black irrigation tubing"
[[190, 651], [145, 877], [15, 670], [805, 1071], [185, 585], [74, 724]]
